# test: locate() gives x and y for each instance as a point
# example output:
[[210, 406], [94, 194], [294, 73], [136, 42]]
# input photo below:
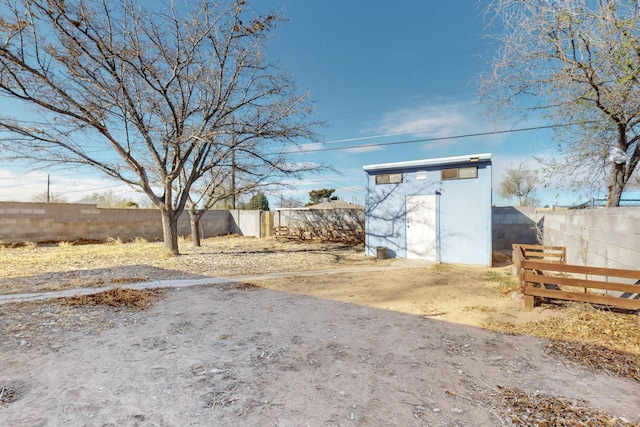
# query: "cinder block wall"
[[68, 221], [514, 224], [607, 237]]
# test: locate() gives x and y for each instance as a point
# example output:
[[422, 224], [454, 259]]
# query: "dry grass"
[[499, 259], [54, 267], [45, 325], [519, 408], [508, 283], [480, 309], [584, 323], [118, 297], [598, 358], [441, 267], [22, 261], [600, 339]]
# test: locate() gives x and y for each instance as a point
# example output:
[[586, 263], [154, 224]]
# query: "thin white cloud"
[[445, 120], [22, 187], [303, 183], [431, 120], [436, 124], [363, 149]]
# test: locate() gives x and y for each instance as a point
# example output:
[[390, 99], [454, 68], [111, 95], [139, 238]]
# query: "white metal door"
[[421, 227]]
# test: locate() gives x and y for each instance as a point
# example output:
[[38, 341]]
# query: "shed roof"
[[470, 158], [335, 204]]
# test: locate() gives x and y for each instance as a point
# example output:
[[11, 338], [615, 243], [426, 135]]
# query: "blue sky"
[[408, 69], [405, 69]]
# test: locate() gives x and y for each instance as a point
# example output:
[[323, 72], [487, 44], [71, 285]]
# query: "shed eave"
[[470, 158]]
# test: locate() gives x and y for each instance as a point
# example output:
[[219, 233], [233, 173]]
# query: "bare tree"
[[519, 182], [109, 199], [47, 197], [290, 202], [218, 186], [577, 60], [149, 97], [240, 171]]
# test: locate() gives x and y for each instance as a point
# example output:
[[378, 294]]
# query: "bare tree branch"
[[578, 61], [147, 96]]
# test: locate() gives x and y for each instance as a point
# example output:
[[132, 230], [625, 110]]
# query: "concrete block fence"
[[67, 221], [605, 237], [515, 224]]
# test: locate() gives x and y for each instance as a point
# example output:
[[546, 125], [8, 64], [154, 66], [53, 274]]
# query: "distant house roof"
[[485, 157], [335, 204]]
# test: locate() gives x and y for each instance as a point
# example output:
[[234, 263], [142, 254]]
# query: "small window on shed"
[[421, 175], [459, 173], [389, 178]]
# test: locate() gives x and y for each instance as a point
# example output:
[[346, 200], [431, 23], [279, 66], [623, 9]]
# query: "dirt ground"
[[396, 347], [451, 293]]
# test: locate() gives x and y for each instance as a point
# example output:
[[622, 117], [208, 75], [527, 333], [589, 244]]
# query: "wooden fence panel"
[[555, 254], [543, 272], [579, 283], [531, 291]]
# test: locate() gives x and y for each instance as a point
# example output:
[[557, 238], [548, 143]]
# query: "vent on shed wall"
[[459, 173], [389, 178]]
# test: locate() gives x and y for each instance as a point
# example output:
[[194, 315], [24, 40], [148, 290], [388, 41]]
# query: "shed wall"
[[463, 213]]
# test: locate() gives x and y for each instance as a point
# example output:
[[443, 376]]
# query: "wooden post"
[[528, 302]]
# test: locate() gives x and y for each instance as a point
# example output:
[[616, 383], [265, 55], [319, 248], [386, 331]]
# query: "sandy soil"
[[391, 348], [458, 294]]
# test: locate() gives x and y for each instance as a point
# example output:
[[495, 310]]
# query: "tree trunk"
[[170, 232], [617, 185], [195, 229]]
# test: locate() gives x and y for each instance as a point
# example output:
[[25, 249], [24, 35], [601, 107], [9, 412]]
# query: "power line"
[[16, 178], [440, 138], [89, 189], [4, 187], [383, 144]]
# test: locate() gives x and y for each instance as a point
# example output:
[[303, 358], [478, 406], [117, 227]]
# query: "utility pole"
[[48, 188], [233, 177], [233, 163]]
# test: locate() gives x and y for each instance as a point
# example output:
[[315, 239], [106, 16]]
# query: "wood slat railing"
[[543, 272]]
